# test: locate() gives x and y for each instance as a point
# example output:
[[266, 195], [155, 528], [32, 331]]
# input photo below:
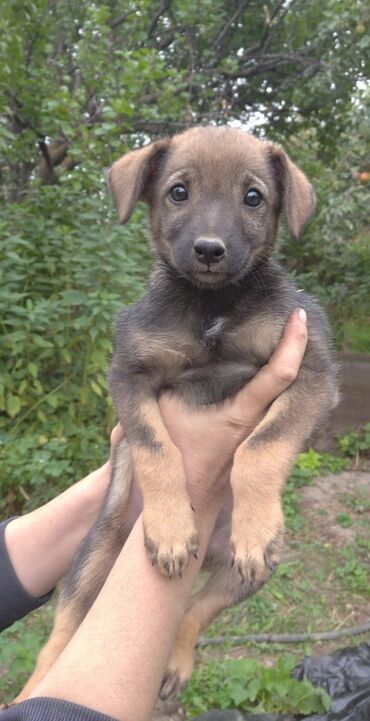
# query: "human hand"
[[208, 437]]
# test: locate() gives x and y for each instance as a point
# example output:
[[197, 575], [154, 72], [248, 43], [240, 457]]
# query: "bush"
[[332, 260], [66, 267]]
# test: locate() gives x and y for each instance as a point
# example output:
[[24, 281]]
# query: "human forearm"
[[42, 543], [129, 625]]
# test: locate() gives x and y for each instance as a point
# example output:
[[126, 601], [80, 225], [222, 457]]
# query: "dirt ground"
[[322, 503]]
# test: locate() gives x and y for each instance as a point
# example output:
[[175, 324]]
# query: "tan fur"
[[128, 176], [257, 478], [263, 332], [171, 536], [299, 198], [174, 351]]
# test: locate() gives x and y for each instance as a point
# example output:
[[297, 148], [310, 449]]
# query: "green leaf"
[[13, 405], [32, 368], [96, 388]]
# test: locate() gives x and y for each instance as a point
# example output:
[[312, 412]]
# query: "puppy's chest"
[[213, 360], [219, 339]]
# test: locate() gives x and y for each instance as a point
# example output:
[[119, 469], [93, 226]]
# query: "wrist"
[[42, 543], [90, 492]]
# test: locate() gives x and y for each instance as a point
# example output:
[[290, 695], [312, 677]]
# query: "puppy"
[[215, 309]]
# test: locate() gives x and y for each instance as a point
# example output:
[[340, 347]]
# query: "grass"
[[20, 645]]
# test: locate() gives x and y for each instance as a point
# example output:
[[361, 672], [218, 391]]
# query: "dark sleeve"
[[51, 709], [15, 601]]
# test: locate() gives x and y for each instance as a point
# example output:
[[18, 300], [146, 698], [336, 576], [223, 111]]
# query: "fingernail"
[[302, 315]]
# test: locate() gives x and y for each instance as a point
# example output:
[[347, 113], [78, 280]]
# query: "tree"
[[81, 80]]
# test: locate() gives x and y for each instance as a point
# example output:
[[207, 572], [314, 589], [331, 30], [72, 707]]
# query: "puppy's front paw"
[[256, 547], [170, 538], [178, 673]]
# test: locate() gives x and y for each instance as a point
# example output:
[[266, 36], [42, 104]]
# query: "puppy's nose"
[[209, 250]]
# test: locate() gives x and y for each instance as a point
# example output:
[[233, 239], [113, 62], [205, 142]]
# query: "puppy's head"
[[215, 196]]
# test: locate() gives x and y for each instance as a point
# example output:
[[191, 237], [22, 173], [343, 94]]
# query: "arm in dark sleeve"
[[45, 709], [15, 601]]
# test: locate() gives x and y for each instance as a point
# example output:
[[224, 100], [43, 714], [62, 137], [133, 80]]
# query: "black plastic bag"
[[345, 675]]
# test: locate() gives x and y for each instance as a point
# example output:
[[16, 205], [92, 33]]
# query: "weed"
[[355, 573], [344, 520], [20, 646], [250, 686], [356, 444], [356, 502]]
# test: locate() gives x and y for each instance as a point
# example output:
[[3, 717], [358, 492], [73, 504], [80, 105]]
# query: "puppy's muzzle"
[[209, 251]]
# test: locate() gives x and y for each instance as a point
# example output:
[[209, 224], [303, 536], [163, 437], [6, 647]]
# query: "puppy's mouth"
[[209, 277]]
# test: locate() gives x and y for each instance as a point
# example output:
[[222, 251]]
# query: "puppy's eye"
[[179, 193], [253, 198]]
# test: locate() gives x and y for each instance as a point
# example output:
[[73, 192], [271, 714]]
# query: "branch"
[[163, 8], [231, 20], [113, 24], [287, 637], [267, 62], [270, 20], [35, 37], [160, 126]]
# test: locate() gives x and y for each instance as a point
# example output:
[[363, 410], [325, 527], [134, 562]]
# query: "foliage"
[[356, 444], [289, 65], [63, 277], [332, 260], [20, 646], [250, 686], [311, 464]]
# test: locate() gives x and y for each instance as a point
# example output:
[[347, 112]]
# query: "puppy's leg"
[[89, 569], [224, 588], [170, 532], [261, 466]]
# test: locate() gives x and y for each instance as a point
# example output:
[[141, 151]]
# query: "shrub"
[[66, 267]]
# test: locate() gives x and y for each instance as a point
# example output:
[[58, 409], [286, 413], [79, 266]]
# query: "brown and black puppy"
[[214, 311]]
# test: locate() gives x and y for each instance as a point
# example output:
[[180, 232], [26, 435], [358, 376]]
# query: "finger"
[[116, 435], [281, 370]]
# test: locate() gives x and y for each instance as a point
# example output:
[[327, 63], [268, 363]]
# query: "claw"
[[171, 686]]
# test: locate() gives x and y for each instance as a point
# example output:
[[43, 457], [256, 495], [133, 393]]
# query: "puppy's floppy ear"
[[130, 176], [297, 194]]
